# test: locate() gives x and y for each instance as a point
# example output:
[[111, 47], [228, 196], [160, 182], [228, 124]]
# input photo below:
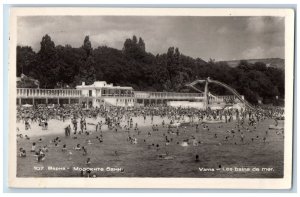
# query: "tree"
[[134, 40], [177, 60], [127, 44], [135, 50], [87, 46], [47, 59], [87, 71], [141, 44], [211, 61], [26, 58], [260, 66], [244, 65], [47, 51]]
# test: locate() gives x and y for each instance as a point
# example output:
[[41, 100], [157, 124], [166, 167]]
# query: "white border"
[[234, 183]]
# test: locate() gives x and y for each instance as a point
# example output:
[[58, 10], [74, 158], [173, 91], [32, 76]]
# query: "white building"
[[103, 94]]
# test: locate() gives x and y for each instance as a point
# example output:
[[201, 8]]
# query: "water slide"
[[233, 91], [191, 85]]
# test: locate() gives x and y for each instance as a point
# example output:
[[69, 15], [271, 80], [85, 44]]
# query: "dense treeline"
[[65, 66]]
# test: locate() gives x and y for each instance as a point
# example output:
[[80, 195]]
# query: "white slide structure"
[[191, 85], [233, 91]]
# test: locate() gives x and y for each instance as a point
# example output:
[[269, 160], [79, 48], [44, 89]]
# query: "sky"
[[219, 38]]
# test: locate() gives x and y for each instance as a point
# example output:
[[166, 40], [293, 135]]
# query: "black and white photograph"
[[202, 96]]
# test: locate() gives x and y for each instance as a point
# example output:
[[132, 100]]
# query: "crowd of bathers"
[[120, 118]]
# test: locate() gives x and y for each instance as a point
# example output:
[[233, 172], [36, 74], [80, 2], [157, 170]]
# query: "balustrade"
[[165, 95], [28, 92]]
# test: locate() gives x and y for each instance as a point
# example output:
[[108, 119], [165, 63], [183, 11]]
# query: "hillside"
[[270, 62]]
